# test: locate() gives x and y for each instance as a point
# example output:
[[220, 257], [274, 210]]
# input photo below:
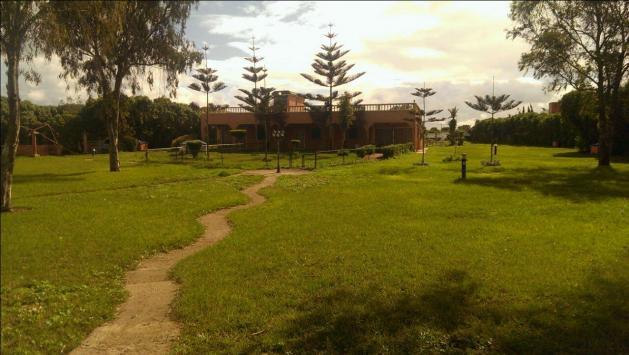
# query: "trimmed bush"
[[181, 139], [393, 150], [365, 150], [194, 147], [128, 144]]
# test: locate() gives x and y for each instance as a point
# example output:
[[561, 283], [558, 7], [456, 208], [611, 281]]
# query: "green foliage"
[[332, 70], [104, 44], [160, 121], [365, 150], [578, 109], [62, 118], [531, 128], [157, 121], [181, 139], [128, 144], [394, 150], [193, 147], [581, 44]]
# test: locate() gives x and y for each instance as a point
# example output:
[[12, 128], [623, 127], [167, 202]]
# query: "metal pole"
[[303, 162], [278, 154], [315, 166]]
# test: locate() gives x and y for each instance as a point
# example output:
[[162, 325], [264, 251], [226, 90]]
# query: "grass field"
[[529, 257], [381, 257], [80, 227]]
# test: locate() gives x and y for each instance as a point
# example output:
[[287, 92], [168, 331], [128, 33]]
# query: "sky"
[[453, 47]]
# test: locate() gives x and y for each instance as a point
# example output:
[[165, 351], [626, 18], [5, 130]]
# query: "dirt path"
[[142, 324]]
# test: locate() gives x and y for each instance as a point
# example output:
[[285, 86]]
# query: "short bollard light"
[[93, 152], [278, 134], [463, 166]]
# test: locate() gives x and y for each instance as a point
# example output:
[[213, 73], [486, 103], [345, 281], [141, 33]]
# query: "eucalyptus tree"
[[492, 105], [333, 72], [425, 116], [207, 83], [257, 100], [110, 44], [20, 25], [580, 44]]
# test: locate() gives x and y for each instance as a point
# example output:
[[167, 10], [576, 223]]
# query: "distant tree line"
[[529, 128], [576, 126], [157, 121]]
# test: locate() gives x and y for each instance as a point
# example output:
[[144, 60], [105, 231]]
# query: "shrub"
[[342, 152], [393, 150], [128, 144], [194, 147], [365, 150], [181, 139]]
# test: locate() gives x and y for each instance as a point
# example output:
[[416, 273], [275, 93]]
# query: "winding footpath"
[[142, 324]]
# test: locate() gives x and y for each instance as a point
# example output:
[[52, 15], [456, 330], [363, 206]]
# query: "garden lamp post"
[[278, 134]]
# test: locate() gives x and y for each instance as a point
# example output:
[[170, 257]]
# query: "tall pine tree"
[[333, 72], [258, 99], [425, 115], [208, 84], [492, 105]]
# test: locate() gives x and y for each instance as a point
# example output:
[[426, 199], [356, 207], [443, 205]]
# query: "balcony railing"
[[405, 106]]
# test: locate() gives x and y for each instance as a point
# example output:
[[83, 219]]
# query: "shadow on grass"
[[347, 322], [577, 185], [49, 177], [450, 316], [590, 319], [616, 159]]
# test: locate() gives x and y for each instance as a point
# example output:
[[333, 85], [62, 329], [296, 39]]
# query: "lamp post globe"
[[278, 134]]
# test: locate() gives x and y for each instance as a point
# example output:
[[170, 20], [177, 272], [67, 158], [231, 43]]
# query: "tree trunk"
[[9, 149], [343, 131], [605, 130], [266, 138], [112, 130]]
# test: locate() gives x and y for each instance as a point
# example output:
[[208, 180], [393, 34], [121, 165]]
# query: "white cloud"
[[454, 46]]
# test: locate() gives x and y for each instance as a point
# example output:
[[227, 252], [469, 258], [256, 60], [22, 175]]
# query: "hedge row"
[[393, 150]]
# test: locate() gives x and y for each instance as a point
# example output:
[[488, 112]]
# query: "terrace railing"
[[405, 106]]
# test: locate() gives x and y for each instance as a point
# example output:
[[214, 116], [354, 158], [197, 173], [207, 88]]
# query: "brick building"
[[378, 124]]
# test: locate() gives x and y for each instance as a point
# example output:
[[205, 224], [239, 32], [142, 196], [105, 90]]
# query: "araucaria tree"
[[492, 105], [258, 99], [579, 43], [207, 83], [20, 22], [108, 44], [452, 133], [347, 116], [425, 116], [333, 72]]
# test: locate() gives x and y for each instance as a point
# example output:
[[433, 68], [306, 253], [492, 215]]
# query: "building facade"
[[377, 124]]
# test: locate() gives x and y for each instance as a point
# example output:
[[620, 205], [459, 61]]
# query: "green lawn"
[[529, 257], [80, 227], [389, 257]]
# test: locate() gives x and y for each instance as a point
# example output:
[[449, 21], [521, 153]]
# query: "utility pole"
[[207, 104]]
